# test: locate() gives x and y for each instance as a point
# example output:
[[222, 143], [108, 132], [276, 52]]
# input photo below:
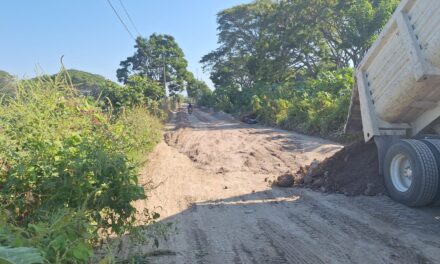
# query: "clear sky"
[[87, 32]]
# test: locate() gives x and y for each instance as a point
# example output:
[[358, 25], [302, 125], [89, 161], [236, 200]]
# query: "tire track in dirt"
[[394, 214], [196, 235], [227, 213], [345, 225], [288, 248]]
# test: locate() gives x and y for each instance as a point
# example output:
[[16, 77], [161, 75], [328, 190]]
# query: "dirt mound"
[[222, 151], [224, 116], [354, 170], [286, 180], [250, 118]]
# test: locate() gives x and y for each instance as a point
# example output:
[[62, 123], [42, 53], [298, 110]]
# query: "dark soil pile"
[[286, 180], [249, 118], [354, 170]]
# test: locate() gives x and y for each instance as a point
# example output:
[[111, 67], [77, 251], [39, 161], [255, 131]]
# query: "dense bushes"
[[68, 171], [7, 84], [138, 91], [315, 105], [286, 61], [322, 105]]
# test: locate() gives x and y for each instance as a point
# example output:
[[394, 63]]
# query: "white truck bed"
[[398, 80]]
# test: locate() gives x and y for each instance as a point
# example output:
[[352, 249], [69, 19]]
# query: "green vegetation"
[[197, 90], [158, 58], [157, 67], [7, 84], [289, 62], [71, 148], [137, 91], [72, 144], [87, 83], [68, 170], [315, 106], [20, 255]]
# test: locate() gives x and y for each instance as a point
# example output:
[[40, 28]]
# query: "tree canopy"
[[158, 58], [276, 41], [87, 83], [197, 89], [7, 83], [289, 62]]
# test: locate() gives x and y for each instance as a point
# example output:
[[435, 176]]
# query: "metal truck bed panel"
[[398, 80]]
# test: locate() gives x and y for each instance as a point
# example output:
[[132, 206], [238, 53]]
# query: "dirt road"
[[213, 178]]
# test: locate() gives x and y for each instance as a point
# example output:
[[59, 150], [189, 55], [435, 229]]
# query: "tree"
[[138, 90], [352, 26], [158, 58], [86, 83], [266, 41], [277, 41], [197, 89], [148, 88], [239, 31], [270, 49], [7, 84]]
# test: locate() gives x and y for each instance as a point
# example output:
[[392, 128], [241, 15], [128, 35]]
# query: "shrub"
[[138, 91], [67, 169], [313, 105], [140, 130], [21, 255], [61, 236], [323, 106]]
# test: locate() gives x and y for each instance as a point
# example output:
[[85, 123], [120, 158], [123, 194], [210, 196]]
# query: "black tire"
[[434, 146], [423, 167]]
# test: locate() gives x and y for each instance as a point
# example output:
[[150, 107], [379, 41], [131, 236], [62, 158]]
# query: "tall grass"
[[67, 169]]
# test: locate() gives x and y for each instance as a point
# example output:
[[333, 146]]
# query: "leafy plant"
[[290, 62], [158, 58], [68, 170], [21, 255]]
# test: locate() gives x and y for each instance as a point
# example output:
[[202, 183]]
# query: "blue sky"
[[87, 32]]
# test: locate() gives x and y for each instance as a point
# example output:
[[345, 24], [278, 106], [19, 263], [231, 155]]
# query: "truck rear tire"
[[434, 145], [410, 173]]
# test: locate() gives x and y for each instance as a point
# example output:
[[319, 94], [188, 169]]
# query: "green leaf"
[[81, 252], [21, 255], [39, 228], [58, 242]]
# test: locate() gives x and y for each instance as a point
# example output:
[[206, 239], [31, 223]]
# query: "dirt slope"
[[213, 186], [354, 170]]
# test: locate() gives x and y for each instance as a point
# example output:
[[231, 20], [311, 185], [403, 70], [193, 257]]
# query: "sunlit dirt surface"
[[213, 178]]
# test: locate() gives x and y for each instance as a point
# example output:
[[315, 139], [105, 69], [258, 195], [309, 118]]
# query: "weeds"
[[315, 106], [68, 170]]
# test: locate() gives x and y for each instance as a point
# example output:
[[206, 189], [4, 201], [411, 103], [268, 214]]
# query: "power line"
[[120, 19], [129, 17]]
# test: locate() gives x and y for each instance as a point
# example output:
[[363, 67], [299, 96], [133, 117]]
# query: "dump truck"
[[396, 102]]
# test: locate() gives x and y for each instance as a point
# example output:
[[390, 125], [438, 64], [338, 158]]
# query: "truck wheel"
[[434, 145], [411, 174]]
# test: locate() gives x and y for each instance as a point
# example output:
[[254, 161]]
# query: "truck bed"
[[398, 79]]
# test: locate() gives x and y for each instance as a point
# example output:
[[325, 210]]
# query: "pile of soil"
[[224, 116], [284, 181], [249, 118], [354, 170]]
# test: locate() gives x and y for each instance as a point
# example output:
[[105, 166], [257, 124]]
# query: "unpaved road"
[[213, 185]]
